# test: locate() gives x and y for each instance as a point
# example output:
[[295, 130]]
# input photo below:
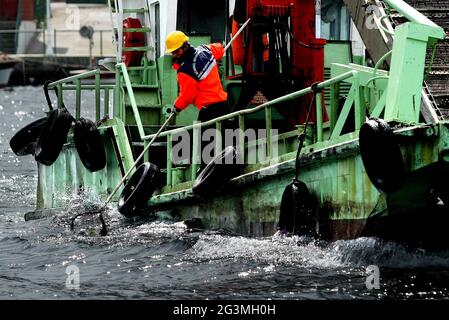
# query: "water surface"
[[144, 259]]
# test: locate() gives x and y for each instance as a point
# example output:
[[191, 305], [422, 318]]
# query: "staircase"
[[378, 42], [7, 40], [437, 80], [144, 78]]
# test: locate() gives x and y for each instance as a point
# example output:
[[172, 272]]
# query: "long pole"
[[104, 230], [138, 159], [237, 34]]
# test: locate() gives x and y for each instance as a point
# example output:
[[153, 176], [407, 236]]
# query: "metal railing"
[[333, 128], [74, 83], [409, 12], [100, 36], [336, 126]]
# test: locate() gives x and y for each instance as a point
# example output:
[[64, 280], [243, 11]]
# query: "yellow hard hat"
[[175, 40]]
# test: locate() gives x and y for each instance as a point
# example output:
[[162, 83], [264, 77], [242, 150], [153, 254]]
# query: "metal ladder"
[[429, 101], [149, 77], [137, 9], [378, 42]]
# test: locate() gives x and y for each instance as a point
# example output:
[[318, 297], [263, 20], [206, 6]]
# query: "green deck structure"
[[330, 162]]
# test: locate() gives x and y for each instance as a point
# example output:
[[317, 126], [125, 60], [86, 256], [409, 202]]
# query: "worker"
[[198, 77]]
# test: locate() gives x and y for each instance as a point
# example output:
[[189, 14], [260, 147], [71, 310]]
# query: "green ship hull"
[[345, 203]]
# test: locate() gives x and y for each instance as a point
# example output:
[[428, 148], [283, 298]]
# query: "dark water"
[[157, 260]]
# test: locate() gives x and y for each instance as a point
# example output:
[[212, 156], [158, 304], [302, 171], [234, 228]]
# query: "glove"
[[175, 110]]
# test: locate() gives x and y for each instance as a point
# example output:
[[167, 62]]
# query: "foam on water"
[[277, 250], [143, 258]]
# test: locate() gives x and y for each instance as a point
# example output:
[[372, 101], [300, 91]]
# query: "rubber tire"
[[53, 136], [24, 141], [139, 189], [89, 145], [295, 209], [381, 155], [217, 173]]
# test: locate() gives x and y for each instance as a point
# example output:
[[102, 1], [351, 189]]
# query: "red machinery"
[[279, 52]]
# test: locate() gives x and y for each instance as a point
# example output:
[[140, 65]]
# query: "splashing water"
[[143, 258]]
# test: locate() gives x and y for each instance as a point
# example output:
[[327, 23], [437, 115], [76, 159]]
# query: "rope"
[[302, 136]]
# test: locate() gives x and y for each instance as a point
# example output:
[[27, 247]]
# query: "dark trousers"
[[213, 111], [210, 112]]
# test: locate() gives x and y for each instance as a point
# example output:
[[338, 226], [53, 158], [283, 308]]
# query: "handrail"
[[121, 66], [287, 97], [73, 78], [74, 83], [410, 13]]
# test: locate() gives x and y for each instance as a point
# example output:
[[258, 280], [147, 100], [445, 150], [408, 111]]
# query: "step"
[[130, 10], [136, 10], [153, 106], [141, 68], [138, 49], [143, 29], [145, 86]]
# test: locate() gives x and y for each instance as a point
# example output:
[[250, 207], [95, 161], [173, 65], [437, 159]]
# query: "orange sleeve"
[[217, 50], [187, 91]]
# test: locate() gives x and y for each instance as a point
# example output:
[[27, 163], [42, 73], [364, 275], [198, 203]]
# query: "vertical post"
[[359, 105], [268, 131], [49, 47], [196, 158], [54, 42], [334, 95], [101, 43], [59, 96], [78, 99], [242, 137], [97, 95], [106, 102], [146, 156], [91, 45], [18, 23], [117, 102], [317, 19], [218, 138], [319, 115], [44, 52], [169, 159]]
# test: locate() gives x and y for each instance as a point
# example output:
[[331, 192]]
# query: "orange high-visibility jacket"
[[198, 78]]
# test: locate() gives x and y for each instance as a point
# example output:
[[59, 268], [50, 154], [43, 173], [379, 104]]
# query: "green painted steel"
[[67, 179], [407, 71], [330, 162], [410, 13]]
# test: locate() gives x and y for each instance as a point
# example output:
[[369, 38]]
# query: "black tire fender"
[[24, 141], [218, 172], [139, 189], [381, 155], [53, 136], [88, 144], [295, 211]]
